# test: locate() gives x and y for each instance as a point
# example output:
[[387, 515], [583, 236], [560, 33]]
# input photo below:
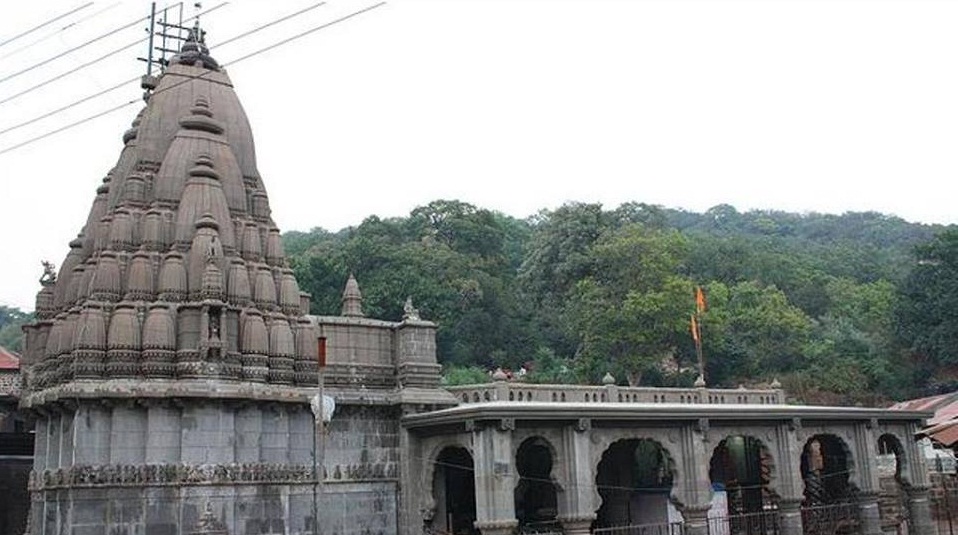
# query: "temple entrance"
[[634, 480], [535, 495], [742, 502], [455, 492], [828, 506]]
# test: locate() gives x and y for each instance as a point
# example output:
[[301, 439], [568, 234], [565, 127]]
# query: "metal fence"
[[760, 523], [673, 528], [944, 510], [836, 519]]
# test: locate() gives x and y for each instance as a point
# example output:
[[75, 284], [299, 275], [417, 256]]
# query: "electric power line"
[[268, 24], [60, 76], [51, 21], [203, 75], [97, 94], [58, 32], [92, 62], [74, 49]]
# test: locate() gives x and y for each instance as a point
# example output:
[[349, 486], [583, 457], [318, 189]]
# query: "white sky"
[[519, 105]]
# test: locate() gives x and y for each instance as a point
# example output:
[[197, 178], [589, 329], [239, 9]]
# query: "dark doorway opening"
[[634, 480], [455, 492], [741, 466], [535, 494], [825, 470]]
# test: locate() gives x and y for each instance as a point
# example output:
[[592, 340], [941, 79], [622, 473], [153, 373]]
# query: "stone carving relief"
[[169, 475], [583, 425]]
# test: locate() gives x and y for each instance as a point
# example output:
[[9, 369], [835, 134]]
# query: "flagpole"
[[700, 306], [698, 346]]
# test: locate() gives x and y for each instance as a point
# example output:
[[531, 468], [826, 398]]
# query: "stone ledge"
[[624, 412], [213, 389], [167, 389]]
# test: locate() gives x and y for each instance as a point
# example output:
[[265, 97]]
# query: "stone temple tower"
[[170, 361]]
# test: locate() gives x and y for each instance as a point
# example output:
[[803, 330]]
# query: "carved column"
[[695, 492], [696, 518], [790, 516], [866, 455], [577, 510], [495, 478], [868, 513], [919, 507], [790, 486]]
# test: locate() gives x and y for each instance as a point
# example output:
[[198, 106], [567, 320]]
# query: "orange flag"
[[699, 299], [695, 330]]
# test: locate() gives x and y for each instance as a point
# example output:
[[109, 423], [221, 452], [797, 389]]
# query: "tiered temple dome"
[[179, 271]]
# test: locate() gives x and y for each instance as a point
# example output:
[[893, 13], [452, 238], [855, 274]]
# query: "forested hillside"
[[850, 308]]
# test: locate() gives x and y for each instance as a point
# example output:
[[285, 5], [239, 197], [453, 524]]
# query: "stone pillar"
[[919, 507], [868, 513], [866, 459], [495, 478], [790, 487], [790, 516], [695, 489], [577, 506], [696, 518]]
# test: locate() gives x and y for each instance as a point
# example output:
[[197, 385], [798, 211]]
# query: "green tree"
[[752, 331], [928, 307], [12, 320], [632, 311]]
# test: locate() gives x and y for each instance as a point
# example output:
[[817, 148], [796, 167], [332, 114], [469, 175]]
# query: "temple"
[[172, 362]]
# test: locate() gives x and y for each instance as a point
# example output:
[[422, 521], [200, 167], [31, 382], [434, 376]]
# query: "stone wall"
[[151, 469], [9, 383]]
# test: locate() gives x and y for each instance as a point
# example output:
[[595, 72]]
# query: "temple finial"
[[352, 299]]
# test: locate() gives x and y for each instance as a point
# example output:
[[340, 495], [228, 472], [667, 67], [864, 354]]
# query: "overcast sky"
[[825, 106]]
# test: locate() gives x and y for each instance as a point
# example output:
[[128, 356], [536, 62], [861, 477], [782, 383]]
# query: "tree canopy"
[[832, 305]]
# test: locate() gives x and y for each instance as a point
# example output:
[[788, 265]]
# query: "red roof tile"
[[9, 360]]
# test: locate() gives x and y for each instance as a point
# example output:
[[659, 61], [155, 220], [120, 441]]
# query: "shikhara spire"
[[179, 271]]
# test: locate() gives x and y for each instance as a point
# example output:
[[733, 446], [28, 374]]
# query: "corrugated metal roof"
[[943, 426], [9, 360], [923, 404]]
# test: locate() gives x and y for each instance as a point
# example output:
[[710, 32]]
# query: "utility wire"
[[305, 33], [74, 49], [92, 62], [49, 81], [51, 21], [97, 94], [203, 75], [58, 32], [68, 106], [268, 24]]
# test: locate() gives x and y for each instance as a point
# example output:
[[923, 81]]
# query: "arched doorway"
[[826, 468], [828, 505], [740, 471], [634, 480], [455, 492], [535, 494]]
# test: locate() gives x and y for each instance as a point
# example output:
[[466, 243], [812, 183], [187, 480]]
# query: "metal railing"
[[835, 519], [760, 523], [672, 528]]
